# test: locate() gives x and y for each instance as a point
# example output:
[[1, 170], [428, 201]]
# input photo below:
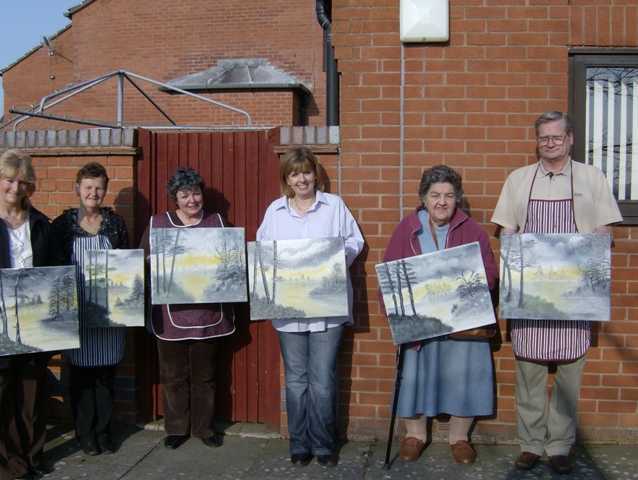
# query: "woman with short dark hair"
[[443, 375], [188, 335], [309, 346], [92, 366]]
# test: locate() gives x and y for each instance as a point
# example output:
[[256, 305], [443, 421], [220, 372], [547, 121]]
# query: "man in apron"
[[554, 195]]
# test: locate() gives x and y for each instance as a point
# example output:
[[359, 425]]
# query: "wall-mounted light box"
[[424, 21]]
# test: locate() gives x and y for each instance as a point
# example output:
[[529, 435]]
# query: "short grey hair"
[[441, 174], [184, 179], [555, 116]]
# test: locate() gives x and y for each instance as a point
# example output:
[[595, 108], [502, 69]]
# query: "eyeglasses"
[[556, 139]]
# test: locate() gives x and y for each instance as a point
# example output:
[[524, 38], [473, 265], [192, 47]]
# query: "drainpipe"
[[322, 8]]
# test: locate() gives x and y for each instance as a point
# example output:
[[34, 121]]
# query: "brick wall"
[[470, 104], [55, 168], [165, 40]]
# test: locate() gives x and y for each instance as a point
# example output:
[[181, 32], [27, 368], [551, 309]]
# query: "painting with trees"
[[435, 293], [38, 310], [114, 288], [198, 265], [561, 276], [303, 278]]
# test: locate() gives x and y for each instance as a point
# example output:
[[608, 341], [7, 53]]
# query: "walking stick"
[[395, 402]]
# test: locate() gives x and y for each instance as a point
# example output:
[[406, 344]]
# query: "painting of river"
[[38, 310], [563, 276], [297, 279], [198, 265], [435, 293], [114, 288]]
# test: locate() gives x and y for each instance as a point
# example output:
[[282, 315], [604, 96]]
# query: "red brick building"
[[469, 103]]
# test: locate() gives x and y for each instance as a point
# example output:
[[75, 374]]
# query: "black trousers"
[[23, 414], [91, 391], [187, 372]]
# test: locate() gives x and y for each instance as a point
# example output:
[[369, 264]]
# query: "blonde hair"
[[300, 159], [17, 164]]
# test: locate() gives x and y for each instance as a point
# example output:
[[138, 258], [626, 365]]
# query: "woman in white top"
[[24, 241], [309, 346]]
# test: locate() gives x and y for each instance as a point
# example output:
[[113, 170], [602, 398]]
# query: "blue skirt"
[[455, 377]]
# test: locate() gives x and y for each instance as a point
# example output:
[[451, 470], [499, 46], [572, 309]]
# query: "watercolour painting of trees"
[[38, 310], [562, 276], [114, 288], [436, 293], [198, 265], [297, 279]]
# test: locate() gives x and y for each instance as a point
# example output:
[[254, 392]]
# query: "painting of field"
[[38, 310], [114, 288], [556, 276], [436, 293], [297, 279], [198, 265]]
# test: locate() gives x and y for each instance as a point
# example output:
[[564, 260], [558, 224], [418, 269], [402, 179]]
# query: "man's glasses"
[[555, 139]]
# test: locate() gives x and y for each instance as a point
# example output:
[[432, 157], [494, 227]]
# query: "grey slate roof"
[[240, 74]]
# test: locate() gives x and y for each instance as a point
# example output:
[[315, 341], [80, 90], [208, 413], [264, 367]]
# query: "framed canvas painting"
[[297, 279], [562, 276], [435, 294], [38, 310], [114, 288], [198, 265]]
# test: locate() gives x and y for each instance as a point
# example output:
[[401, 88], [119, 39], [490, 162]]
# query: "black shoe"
[[526, 460], [105, 442], [174, 441], [327, 460], [213, 441], [30, 474], [43, 469], [302, 459], [561, 464], [90, 447]]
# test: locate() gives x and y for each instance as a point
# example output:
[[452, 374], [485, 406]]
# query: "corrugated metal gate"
[[240, 169]]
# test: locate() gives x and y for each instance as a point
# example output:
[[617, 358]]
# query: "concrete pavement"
[[251, 453]]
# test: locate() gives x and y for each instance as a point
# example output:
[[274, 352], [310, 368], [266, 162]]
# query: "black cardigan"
[[65, 227], [40, 240]]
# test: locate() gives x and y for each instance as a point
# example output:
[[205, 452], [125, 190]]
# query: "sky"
[[23, 23]]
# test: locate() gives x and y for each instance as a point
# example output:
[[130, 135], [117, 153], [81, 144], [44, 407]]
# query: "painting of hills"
[[114, 288], [38, 310], [435, 294], [562, 276], [303, 278], [197, 265]]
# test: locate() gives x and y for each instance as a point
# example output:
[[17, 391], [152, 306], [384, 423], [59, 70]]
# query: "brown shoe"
[[526, 460], [411, 449], [560, 464], [463, 452]]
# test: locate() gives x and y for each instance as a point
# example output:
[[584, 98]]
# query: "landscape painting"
[[114, 288], [436, 293], [556, 276], [38, 310], [198, 265], [297, 279]]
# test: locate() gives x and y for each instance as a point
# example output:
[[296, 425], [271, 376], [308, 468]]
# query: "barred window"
[[604, 106]]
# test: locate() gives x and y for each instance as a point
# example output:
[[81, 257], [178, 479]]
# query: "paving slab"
[[141, 455]]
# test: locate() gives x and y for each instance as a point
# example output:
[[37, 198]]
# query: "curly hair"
[[441, 174], [92, 170], [185, 178]]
